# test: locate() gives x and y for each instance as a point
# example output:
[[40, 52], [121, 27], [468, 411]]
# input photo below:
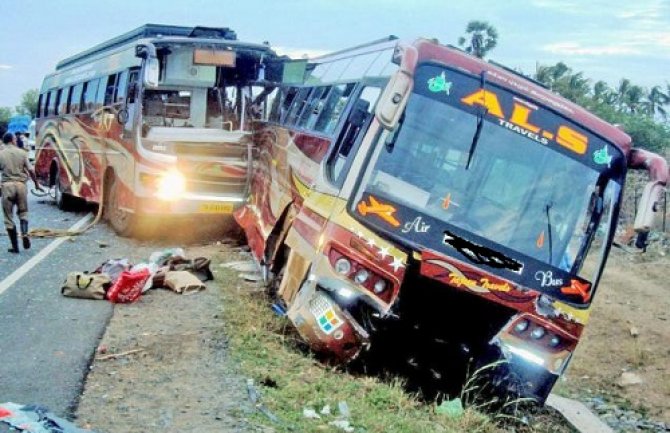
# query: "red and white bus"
[[445, 209], [156, 121]]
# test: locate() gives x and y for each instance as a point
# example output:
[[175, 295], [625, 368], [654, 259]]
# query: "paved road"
[[46, 340]]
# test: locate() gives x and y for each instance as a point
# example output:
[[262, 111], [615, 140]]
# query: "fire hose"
[[41, 232]]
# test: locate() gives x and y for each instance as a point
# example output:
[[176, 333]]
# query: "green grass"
[[264, 346]]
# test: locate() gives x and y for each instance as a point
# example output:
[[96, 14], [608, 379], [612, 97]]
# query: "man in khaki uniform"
[[15, 169]]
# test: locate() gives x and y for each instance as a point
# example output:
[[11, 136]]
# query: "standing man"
[[15, 169]]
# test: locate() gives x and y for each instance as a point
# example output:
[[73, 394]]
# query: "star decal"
[[371, 243], [384, 252], [397, 264]]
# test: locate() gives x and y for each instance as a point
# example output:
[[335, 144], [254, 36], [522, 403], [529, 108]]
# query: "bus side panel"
[[120, 155], [287, 165], [45, 153]]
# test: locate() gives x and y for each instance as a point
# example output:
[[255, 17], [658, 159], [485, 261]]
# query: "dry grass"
[[266, 348]]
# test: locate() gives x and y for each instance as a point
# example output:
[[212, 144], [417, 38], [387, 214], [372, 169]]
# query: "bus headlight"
[[171, 185]]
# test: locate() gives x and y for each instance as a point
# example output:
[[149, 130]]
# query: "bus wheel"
[[122, 222], [63, 200]]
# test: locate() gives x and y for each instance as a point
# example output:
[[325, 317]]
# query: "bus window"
[[275, 111], [64, 107], [133, 78], [314, 106], [333, 108], [110, 89], [286, 103], [89, 95], [121, 87], [353, 131], [59, 99], [75, 98], [40, 105], [297, 106], [51, 103], [101, 94]]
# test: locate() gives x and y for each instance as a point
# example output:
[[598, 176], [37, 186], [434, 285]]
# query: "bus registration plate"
[[216, 207]]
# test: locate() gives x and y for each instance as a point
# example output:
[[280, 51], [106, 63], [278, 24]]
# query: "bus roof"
[[148, 31], [432, 51]]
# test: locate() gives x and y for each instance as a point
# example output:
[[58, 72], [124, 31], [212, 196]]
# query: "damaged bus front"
[[158, 118], [467, 222]]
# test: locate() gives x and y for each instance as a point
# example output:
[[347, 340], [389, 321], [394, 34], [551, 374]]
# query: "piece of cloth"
[[35, 419], [14, 164], [114, 267], [183, 282], [14, 194]]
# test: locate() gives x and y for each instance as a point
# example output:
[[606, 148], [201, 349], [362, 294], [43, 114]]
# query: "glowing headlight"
[[171, 185]]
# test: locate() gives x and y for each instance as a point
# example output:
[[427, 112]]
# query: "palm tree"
[[480, 38], [622, 90], [600, 91], [655, 100], [633, 98], [551, 75]]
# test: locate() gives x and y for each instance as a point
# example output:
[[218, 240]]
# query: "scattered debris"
[[255, 398], [629, 379], [102, 244], [634, 332], [342, 424], [117, 355], [35, 419], [450, 408], [310, 413], [343, 407], [325, 410], [624, 419], [241, 266], [251, 278], [183, 282]]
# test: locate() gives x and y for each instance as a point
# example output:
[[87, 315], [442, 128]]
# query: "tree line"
[[27, 107], [643, 112]]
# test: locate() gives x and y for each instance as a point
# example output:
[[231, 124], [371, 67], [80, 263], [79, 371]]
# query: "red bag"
[[128, 287]]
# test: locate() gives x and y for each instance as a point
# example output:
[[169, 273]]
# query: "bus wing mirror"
[[150, 78], [649, 204], [394, 99]]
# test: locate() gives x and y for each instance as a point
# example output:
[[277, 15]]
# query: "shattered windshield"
[[528, 188], [193, 107]]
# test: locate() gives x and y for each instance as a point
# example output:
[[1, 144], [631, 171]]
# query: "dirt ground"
[[182, 380], [633, 298], [179, 381]]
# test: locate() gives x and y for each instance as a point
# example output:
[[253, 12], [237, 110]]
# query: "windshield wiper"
[[480, 121], [547, 208]]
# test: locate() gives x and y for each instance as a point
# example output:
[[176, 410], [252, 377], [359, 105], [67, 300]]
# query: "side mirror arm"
[[649, 203]]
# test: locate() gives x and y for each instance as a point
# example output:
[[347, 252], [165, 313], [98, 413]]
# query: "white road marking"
[[27, 266]]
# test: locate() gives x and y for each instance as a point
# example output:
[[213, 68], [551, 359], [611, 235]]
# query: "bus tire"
[[62, 199], [122, 222]]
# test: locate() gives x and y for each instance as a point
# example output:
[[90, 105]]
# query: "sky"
[[607, 40]]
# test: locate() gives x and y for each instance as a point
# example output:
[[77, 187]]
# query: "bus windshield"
[[511, 185], [194, 107]]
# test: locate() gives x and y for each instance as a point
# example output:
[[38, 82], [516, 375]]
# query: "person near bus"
[[15, 169]]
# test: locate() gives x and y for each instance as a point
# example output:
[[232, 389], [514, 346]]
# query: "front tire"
[[121, 221]]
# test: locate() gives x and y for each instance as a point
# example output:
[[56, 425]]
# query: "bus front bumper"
[[189, 204]]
